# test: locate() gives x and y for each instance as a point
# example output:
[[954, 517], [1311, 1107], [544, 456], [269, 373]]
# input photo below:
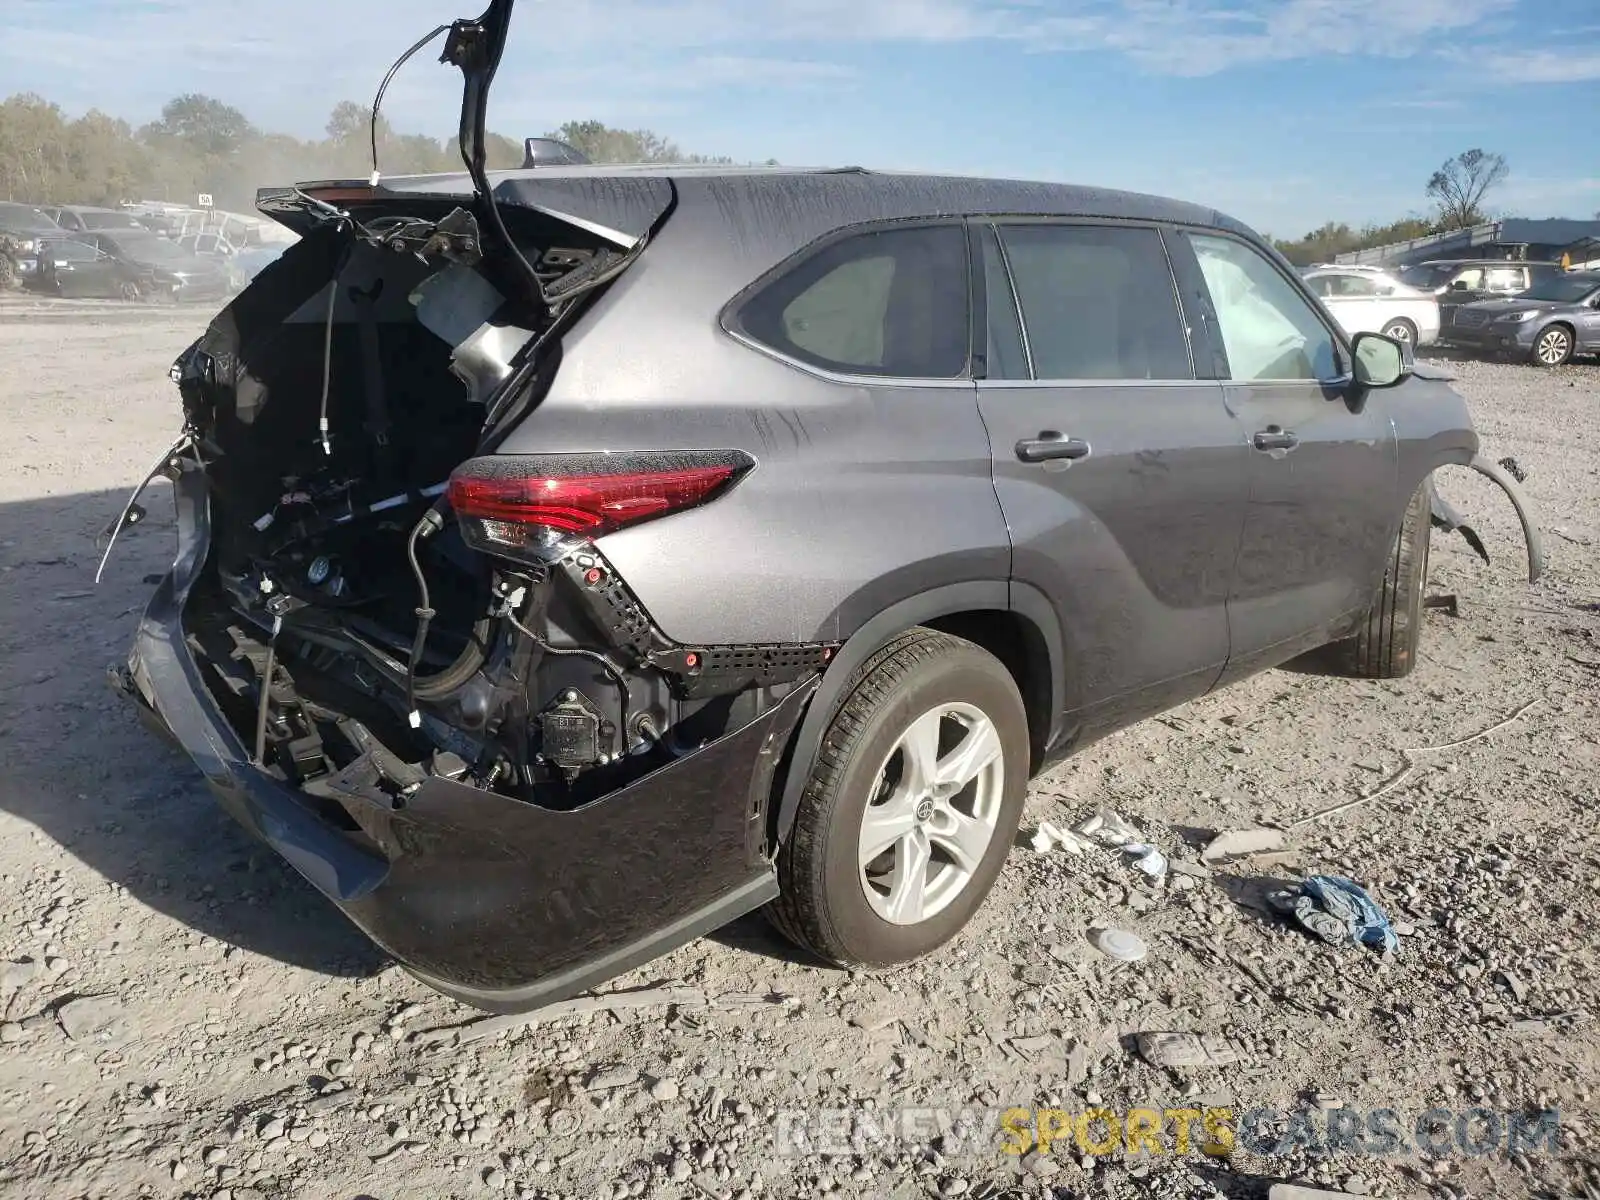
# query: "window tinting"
[[1097, 302], [1268, 329], [1006, 358], [1350, 285], [890, 302]]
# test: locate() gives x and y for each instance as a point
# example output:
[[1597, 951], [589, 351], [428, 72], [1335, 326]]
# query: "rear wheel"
[[128, 290], [1402, 331], [1385, 647], [1553, 347], [911, 808]]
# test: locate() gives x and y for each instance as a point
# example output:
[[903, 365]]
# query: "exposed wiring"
[[327, 368], [432, 521], [377, 103], [266, 692], [606, 665]]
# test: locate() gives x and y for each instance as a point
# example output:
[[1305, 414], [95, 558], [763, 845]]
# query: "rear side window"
[[890, 302], [1097, 301]]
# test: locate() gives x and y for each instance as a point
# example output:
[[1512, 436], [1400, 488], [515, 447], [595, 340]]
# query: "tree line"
[[1458, 192], [202, 145]]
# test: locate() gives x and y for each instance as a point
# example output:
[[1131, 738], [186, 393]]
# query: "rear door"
[[1323, 478], [1121, 475]]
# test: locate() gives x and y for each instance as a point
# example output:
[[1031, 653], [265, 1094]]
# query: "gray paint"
[[1175, 556]]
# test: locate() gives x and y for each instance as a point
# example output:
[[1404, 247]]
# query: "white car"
[[1363, 299]]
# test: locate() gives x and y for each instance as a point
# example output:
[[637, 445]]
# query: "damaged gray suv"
[[576, 558]]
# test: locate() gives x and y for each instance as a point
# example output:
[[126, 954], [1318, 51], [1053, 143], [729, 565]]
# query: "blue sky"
[[1282, 112]]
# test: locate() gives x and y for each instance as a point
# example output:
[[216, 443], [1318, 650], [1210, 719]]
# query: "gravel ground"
[[183, 1017]]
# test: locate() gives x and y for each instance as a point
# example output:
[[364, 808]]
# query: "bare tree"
[[1459, 186]]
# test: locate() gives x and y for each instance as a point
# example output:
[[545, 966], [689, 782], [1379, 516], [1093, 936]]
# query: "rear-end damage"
[[402, 659]]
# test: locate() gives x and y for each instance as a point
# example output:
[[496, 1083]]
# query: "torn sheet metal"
[[1530, 533], [1507, 474]]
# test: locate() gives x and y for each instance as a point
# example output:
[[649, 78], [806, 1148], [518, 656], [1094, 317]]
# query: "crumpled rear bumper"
[[496, 902]]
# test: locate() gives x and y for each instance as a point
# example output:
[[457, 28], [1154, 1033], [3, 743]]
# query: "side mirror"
[[1380, 362]]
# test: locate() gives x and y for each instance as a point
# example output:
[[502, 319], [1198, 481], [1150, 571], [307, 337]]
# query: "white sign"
[[204, 199]]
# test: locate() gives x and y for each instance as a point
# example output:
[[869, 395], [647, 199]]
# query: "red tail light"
[[516, 502]]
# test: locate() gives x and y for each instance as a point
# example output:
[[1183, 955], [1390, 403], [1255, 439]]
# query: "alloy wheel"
[[1553, 347], [933, 813], [1399, 331]]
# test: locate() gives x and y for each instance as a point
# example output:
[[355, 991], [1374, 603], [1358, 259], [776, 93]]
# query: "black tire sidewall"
[[967, 675]]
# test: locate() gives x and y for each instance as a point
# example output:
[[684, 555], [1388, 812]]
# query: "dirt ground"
[[184, 1017]]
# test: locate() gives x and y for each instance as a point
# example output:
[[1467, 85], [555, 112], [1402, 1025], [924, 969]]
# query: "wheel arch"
[[1014, 622]]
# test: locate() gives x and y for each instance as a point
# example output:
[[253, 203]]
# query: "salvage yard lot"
[[231, 995]]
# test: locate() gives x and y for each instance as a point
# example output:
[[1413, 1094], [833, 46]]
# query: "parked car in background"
[[82, 218], [1548, 324], [246, 264], [1457, 281], [69, 265], [21, 228], [1375, 301], [159, 267], [208, 245]]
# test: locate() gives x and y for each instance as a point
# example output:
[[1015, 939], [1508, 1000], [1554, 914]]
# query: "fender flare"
[[1530, 531], [1027, 602]]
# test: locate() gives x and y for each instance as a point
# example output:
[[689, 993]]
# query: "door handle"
[[1049, 445], [1273, 438]]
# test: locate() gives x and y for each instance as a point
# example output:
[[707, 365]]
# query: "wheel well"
[[1020, 647]]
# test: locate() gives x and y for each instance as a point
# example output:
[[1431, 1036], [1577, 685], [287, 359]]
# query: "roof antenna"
[[372, 180]]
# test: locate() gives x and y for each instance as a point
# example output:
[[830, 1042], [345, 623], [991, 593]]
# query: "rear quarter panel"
[[864, 493]]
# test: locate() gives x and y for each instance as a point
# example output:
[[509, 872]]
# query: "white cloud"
[[286, 63], [1545, 66]]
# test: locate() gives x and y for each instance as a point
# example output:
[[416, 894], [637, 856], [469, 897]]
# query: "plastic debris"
[[1240, 843], [1147, 860], [1120, 944], [1049, 836], [1338, 911], [1186, 1050], [1107, 828]]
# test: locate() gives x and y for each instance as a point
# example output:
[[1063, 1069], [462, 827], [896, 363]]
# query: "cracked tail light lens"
[[510, 503]]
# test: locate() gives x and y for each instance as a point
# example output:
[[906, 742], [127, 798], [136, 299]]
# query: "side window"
[[1355, 285], [1268, 329], [1007, 358], [890, 302], [1506, 279], [1098, 302], [1323, 285], [1471, 278]]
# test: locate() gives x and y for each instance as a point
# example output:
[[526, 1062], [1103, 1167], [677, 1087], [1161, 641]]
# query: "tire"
[[1402, 330], [1385, 647], [129, 290], [1553, 347], [863, 915], [10, 277]]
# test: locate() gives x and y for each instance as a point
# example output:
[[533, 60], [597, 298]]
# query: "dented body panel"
[[501, 903]]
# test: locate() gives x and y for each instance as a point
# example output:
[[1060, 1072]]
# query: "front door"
[[1323, 478], [1122, 476]]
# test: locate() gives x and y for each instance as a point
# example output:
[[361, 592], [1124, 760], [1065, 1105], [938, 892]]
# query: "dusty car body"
[[22, 227], [643, 546], [138, 264]]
